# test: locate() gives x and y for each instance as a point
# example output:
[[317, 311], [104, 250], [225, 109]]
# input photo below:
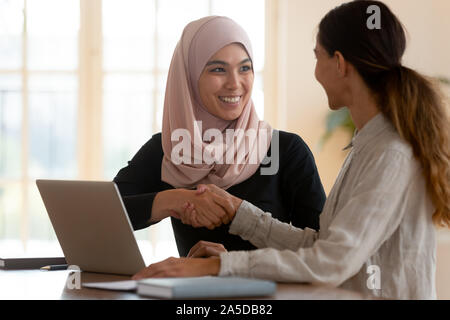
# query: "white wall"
[[296, 102]]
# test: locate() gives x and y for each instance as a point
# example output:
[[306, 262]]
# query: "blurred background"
[[82, 86]]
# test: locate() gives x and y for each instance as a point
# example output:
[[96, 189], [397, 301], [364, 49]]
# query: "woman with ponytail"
[[407, 99], [377, 229]]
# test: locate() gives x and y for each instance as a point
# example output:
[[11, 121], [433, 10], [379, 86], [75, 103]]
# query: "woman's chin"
[[334, 106], [230, 115]]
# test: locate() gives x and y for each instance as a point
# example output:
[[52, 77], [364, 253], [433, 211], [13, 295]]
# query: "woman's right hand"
[[207, 209], [210, 208], [206, 249]]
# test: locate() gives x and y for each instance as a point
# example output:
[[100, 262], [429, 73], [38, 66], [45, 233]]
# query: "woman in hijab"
[[211, 134], [377, 229]]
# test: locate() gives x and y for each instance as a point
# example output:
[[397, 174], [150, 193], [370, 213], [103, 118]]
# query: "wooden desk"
[[36, 284]]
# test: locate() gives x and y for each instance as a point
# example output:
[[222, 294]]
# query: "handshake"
[[209, 206]]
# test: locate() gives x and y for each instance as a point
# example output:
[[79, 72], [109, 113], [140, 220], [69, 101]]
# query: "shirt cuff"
[[234, 263], [245, 220]]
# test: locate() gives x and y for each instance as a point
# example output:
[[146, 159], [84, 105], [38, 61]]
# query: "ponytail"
[[417, 110]]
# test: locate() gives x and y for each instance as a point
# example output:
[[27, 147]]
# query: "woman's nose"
[[233, 81]]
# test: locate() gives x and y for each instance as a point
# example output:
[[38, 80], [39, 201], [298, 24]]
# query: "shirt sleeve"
[[140, 181], [365, 221], [258, 227]]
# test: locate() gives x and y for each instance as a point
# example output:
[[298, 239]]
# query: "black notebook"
[[29, 263]]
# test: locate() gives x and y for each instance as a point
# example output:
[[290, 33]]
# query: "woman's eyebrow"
[[216, 62], [226, 63], [245, 61]]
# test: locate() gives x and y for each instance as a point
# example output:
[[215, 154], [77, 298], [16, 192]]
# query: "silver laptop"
[[92, 225]]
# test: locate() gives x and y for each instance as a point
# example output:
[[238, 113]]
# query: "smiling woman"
[[226, 83], [209, 88]]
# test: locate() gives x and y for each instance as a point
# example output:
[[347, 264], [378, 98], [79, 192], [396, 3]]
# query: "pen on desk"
[[55, 267]]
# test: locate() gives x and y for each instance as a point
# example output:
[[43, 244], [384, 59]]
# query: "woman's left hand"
[[180, 267], [206, 249]]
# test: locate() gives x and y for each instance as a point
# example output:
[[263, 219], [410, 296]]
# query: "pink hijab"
[[200, 40]]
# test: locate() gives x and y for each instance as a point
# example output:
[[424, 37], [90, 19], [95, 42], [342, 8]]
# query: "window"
[[38, 104], [81, 90]]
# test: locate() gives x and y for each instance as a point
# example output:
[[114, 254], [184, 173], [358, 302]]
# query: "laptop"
[[92, 225]]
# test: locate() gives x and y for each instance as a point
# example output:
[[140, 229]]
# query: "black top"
[[294, 195]]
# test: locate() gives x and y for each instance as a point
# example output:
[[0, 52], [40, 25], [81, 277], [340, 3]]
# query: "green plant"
[[445, 81], [342, 119], [335, 120]]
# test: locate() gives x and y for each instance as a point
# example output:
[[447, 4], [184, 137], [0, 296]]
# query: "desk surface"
[[36, 284]]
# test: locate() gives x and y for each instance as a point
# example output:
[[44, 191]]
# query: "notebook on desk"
[[205, 287]]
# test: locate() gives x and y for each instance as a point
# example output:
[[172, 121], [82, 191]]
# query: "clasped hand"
[[210, 207]]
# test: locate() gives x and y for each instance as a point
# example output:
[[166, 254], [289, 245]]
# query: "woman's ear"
[[342, 65]]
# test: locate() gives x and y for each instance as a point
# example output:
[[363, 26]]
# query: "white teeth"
[[230, 99]]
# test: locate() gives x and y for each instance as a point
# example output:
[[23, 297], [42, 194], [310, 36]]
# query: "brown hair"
[[409, 100]]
